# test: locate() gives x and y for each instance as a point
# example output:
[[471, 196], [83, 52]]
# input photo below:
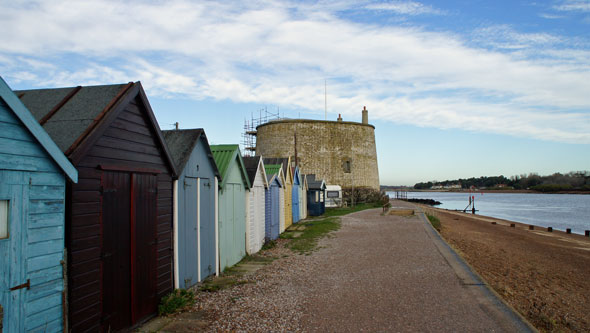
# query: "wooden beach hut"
[[273, 202], [119, 214], [288, 188], [303, 194], [33, 173], [195, 244], [296, 194], [255, 205], [232, 204], [315, 196]]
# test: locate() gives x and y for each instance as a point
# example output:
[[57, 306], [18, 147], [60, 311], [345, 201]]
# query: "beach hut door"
[[129, 202], [13, 282]]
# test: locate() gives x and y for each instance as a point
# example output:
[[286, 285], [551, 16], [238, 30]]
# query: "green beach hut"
[[232, 204]]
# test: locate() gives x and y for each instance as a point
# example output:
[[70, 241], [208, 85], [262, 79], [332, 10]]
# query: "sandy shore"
[[543, 275]]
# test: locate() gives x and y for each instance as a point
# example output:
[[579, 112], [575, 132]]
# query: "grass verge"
[[434, 221], [347, 210], [305, 241]]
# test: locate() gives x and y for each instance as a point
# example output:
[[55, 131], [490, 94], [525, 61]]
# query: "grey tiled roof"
[[73, 118]]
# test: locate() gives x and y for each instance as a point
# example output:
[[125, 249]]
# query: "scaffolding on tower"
[[249, 134]]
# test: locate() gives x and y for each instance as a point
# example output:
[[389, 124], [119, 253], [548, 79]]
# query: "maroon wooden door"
[[116, 251], [129, 271], [144, 243]]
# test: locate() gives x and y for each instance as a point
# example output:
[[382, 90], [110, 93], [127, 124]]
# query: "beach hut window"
[[317, 196], [3, 219], [321, 196]]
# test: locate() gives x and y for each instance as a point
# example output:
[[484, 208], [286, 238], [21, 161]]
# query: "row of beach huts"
[[102, 213]]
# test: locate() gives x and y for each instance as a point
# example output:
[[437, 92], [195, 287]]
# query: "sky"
[[455, 89]]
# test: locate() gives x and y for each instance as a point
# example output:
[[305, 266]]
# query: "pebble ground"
[[377, 273]]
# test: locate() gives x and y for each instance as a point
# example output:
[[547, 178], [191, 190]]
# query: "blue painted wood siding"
[[272, 217], [198, 166], [36, 187]]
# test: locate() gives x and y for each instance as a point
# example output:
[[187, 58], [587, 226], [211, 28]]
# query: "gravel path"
[[377, 273]]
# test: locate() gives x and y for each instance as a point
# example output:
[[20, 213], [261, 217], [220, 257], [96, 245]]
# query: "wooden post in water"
[[568, 231], [587, 233], [550, 229]]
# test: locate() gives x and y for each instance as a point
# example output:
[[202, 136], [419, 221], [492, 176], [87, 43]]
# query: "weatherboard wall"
[[232, 217], [256, 213], [272, 209], [196, 251], [34, 186], [127, 144]]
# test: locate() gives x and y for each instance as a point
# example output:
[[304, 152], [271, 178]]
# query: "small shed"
[[119, 214], [255, 205], [315, 196], [304, 188], [33, 175], [232, 204], [288, 186], [195, 244], [296, 194], [273, 202]]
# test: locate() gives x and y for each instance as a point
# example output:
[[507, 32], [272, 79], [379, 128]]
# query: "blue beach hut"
[[33, 173], [232, 204], [296, 194], [195, 244], [273, 202]]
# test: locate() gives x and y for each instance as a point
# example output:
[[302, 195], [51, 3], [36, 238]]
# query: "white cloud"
[[405, 8], [280, 52], [574, 6]]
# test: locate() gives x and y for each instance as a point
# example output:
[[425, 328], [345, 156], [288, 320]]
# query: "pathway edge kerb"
[[521, 322]]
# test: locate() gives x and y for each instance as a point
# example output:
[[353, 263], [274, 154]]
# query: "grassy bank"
[[434, 221], [347, 210], [304, 236]]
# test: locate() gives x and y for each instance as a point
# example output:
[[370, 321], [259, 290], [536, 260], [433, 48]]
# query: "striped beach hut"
[[33, 173], [195, 244], [255, 205], [119, 214], [232, 204], [273, 202]]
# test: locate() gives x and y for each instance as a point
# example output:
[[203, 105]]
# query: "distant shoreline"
[[391, 189]]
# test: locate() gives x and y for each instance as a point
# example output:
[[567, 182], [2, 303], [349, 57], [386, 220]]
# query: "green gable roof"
[[271, 169], [224, 156]]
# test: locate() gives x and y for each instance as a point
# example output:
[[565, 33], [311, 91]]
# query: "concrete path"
[[394, 273]]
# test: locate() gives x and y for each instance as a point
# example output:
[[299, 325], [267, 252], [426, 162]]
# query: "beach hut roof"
[[25, 116], [224, 155], [181, 144], [273, 171], [315, 184], [252, 165], [283, 161], [76, 117]]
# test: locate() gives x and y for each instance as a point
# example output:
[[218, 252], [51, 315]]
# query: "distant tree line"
[[571, 181]]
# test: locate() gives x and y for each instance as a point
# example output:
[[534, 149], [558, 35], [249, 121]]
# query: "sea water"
[[560, 211]]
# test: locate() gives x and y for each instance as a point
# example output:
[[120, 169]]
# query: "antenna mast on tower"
[[325, 100]]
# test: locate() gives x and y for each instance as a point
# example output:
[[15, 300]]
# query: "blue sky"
[[454, 88]]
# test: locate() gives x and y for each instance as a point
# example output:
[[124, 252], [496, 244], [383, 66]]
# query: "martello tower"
[[341, 152]]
